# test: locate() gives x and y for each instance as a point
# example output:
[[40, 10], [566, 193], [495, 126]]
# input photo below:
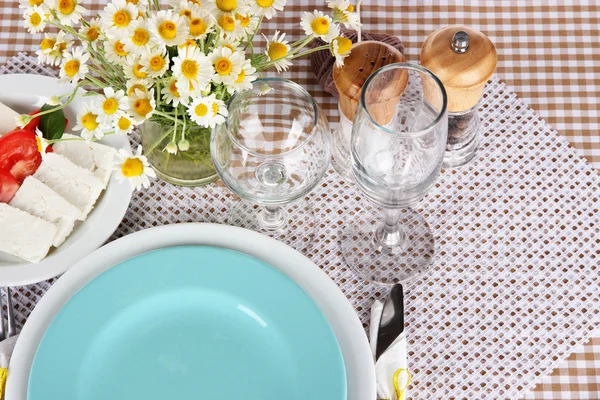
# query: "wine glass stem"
[[391, 233], [272, 217]]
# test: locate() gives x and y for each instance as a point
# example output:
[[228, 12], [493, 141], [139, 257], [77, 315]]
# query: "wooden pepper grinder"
[[464, 59], [364, 59]]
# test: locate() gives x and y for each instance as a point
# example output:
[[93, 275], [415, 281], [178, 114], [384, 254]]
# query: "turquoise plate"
[[190, 322]]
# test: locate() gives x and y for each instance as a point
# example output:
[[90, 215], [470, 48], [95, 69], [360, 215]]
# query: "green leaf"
[[52, 124]]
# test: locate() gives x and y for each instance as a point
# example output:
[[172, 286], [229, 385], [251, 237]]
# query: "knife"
[[391, 324]]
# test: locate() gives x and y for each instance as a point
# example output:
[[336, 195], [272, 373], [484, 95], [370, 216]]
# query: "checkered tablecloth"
[[548, 54]]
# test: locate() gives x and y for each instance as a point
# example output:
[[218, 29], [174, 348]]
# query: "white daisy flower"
[[133, 86], [42, 143], [247, 22], [277, 50], [231, 6], [229, 26], [188, 43], [73, 67], [343, 11], [115, 51], [31, 3], [201, 24], [110, 105], [205, 5], [139, 4], [268, 8], [53, 48], [185, 8], [171, 147], [92, 32], [141, 105], [135, 71], [124, 125], [118, 16], [168, 28], [88, 123], [319, 25], [134, 168], [137, 38], [340, 48], [172, 94], [192, 69], [207, 111], [232, 44], [227, 65], [35, 19], [155, 62], [244, 79], [68, 12]]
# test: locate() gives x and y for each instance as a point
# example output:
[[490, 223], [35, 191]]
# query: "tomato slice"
[[19, 154], [34, 123], [8, 186]]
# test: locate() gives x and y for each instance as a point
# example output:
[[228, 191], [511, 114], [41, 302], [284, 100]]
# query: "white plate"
[[356, 351], [25, 93]]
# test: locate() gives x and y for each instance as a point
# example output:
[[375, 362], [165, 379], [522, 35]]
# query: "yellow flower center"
[[62, 46], [320, 26], [134, 2], [72, 67], [132, 167], [123, 123], [35, 19], [265, 3], [227, 23], [35, 2], [186, 13], [277, 50], [173, 88], [135, 87], [188, 42], [197, 27], [89, 121], [142, 107], [350, 8], [230, 47], [110, 106], [138, 73], [47, 44], [92, 33], [344, 44], [226, 5], [189, 69], [66, 7], [121, 18], [119, 48], [38, 141], [241, 77], [215, 108], [167, 30], [157, 63], [201, 110], [140, 37], [223, 66], [244, 20]]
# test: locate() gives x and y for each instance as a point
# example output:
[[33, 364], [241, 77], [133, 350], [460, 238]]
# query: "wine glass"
[[398, 143], [271, 151]]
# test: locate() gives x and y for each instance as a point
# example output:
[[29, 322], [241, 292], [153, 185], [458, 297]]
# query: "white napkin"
[[6, 349], [390, 362]]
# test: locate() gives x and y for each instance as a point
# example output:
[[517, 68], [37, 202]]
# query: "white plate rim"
[[107, 214], [358, 359]]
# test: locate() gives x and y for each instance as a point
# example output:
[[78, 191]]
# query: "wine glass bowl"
[[398, 143]]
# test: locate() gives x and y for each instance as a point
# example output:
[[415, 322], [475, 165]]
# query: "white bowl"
[[358, 359]]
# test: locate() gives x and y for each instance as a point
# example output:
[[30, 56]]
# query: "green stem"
[[255, 32], [155, 145], [164, 115], [61, 106]]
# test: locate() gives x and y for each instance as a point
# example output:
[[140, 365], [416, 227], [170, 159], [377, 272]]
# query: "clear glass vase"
[[193, 167]]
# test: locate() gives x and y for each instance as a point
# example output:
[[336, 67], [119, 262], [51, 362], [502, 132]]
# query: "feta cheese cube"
[[94, 157], [39, 200], [77, 185], [24, 235]]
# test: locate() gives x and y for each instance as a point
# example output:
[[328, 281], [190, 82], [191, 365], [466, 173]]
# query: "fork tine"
[[2, 330], [12, 329]]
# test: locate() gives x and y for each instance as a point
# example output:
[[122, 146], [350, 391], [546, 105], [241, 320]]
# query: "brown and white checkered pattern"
[[547, 54]]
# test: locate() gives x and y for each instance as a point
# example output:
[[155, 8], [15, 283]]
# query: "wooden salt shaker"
[[364, 59], [464, 59]]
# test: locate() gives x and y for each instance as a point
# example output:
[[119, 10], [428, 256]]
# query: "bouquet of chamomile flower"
[[175, 67]]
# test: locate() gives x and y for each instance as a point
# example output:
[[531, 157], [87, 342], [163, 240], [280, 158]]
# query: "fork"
[[11, 317]]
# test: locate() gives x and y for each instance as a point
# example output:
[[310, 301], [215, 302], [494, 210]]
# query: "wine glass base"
[[379, 263], [298, 227]]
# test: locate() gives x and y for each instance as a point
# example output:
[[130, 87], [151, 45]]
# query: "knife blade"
[[391, 324]]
